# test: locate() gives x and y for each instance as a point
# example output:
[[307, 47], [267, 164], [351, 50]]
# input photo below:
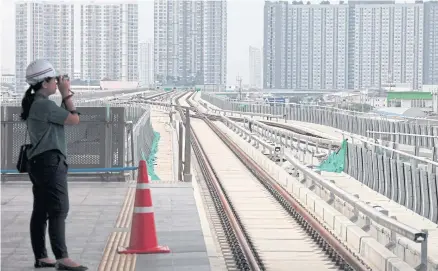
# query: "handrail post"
[[187, 164], [108, 137], [5, 142], [131, 125], [423, 263], [180, 151]]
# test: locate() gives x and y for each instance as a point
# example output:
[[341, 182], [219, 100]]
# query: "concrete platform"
[[99, 222], [93, 212], [178, 226]]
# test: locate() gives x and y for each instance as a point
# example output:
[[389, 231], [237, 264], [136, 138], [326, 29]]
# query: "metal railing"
[[82, 96], [404, 178], [109, 138], [407, 179], [354, 123], [360, 208]]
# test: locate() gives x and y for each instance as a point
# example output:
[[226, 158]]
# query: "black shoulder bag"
[[22, 156]]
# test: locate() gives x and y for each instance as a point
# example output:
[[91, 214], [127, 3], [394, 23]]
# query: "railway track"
[[263, 227], [305, 146], [285, 127]]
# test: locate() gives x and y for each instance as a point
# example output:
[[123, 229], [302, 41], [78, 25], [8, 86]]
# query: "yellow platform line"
[[111, 259], [127, 218], [124, 212]]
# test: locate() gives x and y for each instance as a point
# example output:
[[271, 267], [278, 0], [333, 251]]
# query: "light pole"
[[239, 80]]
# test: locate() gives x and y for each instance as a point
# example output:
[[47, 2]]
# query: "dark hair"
[[28, 99]]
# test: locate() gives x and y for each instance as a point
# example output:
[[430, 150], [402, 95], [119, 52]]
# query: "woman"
[[47, 164]]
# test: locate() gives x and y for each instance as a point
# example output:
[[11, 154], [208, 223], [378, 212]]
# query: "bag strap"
[[25, 136]]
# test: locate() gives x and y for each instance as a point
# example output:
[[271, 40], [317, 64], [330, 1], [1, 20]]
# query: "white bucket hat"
[[39, 70]]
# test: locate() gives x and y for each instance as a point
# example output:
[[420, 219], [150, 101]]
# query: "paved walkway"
[[176, 214], [93, 210], [167, 150], [178, 226], [100, 220]]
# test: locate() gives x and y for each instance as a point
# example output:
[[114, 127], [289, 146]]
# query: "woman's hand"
[[64, 86]]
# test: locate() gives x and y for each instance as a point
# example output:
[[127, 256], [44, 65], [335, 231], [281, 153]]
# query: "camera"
[[64, 77]]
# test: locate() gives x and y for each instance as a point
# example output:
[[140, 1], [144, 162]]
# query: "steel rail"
[[338, 250], [244, 254]]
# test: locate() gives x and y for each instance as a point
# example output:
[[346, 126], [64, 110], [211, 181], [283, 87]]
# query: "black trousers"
[[48, 173]]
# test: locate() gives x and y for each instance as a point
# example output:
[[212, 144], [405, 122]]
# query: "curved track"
[[280, 241], [297, 131], [265, 227]]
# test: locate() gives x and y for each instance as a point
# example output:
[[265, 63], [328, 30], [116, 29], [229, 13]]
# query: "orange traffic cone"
[[143, 235]]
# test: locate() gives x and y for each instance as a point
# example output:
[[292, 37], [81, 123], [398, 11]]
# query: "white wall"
[[408, 103]]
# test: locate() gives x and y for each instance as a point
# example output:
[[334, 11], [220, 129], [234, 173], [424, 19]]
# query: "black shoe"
[[60, 266], [40, 264]]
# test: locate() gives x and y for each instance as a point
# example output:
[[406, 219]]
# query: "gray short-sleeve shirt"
[[46, 126]]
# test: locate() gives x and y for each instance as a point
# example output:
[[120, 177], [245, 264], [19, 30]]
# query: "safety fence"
[[411, 183], [80, 96], [109, 139], [146, 136], [352, 122]]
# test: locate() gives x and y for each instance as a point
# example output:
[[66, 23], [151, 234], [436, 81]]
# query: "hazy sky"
[[245, 28]]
